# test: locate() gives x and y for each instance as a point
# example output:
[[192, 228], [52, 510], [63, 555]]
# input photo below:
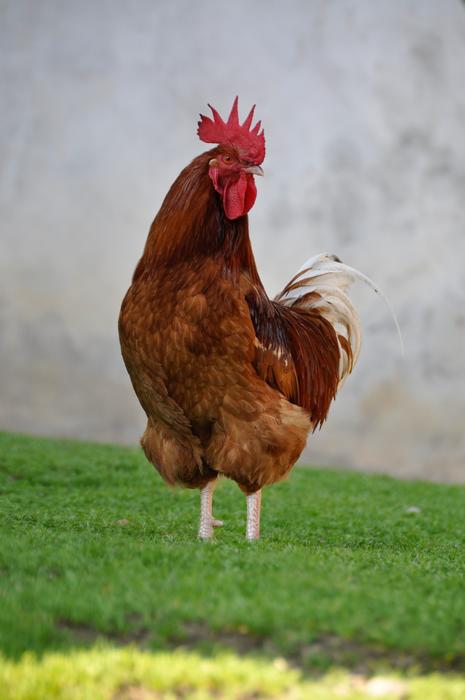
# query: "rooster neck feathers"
[[191, 225]]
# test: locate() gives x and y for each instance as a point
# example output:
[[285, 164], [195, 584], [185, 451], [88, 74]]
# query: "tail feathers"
[[321, 285]]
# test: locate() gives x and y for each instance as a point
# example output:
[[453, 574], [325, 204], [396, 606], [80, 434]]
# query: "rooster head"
[[238, 158]]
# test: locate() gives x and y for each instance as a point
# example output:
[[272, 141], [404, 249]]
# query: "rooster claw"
[[217, 523]]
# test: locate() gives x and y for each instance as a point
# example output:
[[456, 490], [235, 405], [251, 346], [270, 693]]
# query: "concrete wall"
[[364, 110]]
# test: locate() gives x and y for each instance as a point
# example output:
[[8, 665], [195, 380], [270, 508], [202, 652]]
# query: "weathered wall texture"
[[364, 109]]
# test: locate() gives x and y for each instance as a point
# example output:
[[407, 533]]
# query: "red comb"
[[250, 142]]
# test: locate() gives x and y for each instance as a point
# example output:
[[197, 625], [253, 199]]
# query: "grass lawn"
[[105, 591]]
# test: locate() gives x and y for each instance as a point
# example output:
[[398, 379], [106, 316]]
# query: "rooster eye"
[[227, 159]]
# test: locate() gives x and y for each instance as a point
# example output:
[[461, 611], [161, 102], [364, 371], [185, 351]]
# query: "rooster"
[[231, 381]]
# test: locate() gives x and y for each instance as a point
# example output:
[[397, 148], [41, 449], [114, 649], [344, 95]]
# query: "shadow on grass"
[[311, 660]]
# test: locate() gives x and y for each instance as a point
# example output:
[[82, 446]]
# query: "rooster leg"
[[207, 521], [254, 501]]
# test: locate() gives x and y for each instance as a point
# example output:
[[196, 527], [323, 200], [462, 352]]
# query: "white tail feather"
[[326, 279]]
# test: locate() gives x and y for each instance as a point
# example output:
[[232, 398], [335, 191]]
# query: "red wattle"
[[239, 196], [250, 194]]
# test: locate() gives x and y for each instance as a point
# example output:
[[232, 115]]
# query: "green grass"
[[343, 576]]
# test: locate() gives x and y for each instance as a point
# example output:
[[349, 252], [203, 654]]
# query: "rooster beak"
[[254, 170]]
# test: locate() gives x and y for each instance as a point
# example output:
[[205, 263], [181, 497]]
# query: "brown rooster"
[[231, 381]]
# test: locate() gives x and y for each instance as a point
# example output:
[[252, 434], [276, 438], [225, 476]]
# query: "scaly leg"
[[253, 515], [207, 521]]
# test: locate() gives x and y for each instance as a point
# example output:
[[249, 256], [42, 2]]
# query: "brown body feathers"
[[230, 380]]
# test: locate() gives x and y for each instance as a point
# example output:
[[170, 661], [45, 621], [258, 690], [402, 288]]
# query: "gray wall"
[[363, 105]]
